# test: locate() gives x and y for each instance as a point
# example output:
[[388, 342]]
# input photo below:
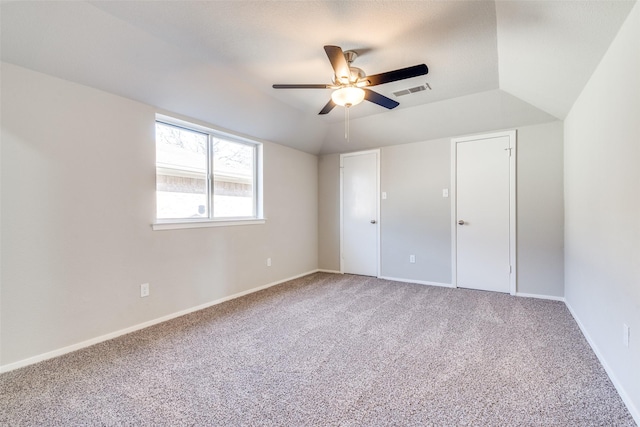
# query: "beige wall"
[[328, 222], [416, 219], [78, 200], [540, 210], [602, 187]]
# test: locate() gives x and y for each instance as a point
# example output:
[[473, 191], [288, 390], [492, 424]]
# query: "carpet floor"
[[332, 350]]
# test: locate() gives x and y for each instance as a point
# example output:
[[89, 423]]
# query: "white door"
[[359, 243], [485, 220]]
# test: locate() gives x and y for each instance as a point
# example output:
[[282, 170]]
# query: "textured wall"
[[78, 200], [602, 210]]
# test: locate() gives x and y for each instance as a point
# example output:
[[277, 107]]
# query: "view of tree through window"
[[181, 172], [233, 166], [200, 175]]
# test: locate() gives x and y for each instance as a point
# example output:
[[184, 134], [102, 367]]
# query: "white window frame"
[[257, 218]]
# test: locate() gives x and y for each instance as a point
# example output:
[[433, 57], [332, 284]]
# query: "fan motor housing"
[[356, 74]]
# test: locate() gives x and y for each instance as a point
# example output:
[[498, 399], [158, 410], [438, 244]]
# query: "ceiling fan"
[[351, 83]]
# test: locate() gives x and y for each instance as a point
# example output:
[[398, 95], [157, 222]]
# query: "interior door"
[[359, 241], [483, 213]]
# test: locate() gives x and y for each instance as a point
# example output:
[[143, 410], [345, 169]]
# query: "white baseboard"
[[419, 282], [106, 337], [549, 297], [633, 410], [321, 270]]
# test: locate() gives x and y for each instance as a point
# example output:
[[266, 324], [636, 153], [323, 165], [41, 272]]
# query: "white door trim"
[[512, 204], [342, 156]]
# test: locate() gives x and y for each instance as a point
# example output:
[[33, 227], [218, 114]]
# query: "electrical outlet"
[[625, 334], [144, 290], [412, 259], [445, 192], [384, 195], [268, 262]]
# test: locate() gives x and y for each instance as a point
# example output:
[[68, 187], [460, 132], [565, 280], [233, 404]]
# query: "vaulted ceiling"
[[492, 64]]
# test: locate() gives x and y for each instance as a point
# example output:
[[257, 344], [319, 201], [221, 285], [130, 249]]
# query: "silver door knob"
[[461, 222], [373, 221]]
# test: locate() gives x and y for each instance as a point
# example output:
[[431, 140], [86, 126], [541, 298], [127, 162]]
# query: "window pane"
[[181, 177], [233, 180]]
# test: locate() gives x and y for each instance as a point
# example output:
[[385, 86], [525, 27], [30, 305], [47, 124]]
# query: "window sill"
[[177, 224]]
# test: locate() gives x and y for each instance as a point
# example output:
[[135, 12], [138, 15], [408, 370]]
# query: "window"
[[203, 175]]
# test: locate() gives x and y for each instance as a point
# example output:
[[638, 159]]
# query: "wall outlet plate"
[[144, 290]]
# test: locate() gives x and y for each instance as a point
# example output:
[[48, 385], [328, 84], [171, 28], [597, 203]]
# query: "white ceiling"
[[491, 64]]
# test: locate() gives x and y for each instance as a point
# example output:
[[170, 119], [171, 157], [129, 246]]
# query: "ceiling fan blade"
[[302, 86], [401, 74], [338, 62], [381, 100], [328, 107]]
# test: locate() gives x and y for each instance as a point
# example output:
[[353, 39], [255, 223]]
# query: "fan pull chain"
[[346, 122]]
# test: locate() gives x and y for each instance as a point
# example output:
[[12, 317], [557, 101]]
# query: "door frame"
[[358, 153], [512, 134]]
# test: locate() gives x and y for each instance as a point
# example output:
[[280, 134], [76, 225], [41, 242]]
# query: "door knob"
[[373, 221], [461, 222]]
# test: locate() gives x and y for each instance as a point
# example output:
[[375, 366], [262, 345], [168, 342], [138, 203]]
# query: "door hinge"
[[510, 270]]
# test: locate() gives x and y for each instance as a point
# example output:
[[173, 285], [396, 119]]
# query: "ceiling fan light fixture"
[[348, 96], [348, 81]]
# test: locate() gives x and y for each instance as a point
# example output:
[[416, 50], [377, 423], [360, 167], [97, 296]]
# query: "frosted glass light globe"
[[348, 96]]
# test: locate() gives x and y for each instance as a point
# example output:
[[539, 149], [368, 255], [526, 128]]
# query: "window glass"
[[233, 180], [201, 174], [181, 173]]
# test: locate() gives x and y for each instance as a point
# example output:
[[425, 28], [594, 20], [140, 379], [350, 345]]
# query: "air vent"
[[412, 90], [402, 92]]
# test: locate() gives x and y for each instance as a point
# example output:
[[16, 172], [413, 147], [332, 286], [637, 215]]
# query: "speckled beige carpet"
[[332, 350]]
